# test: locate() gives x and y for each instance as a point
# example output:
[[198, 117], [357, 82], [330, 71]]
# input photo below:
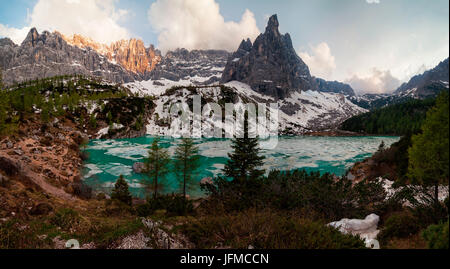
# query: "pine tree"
[[186, 162], [109, 117], [157, 167], [93, 121], [429, 153], [245, 158], [121, 191]]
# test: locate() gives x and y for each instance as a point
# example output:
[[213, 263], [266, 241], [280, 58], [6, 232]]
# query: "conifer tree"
[[157, 167], [429, 153], [245, 158], [121, 191], [186, 162]]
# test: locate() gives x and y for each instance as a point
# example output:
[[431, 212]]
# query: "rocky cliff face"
[[334, 87], [270, 65], [48, 54], [130, 54], [183, 68], [427, 84], [204, 65]]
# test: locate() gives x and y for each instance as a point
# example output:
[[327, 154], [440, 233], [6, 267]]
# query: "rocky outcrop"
[[130, 54], [202, 66], [430, 83], [334, 87], [48, 54], [270, 65]]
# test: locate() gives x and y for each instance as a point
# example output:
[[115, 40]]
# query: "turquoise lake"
[[108, 159]]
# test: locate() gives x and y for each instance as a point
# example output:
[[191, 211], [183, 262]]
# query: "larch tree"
[[157, 167], [186, 162]]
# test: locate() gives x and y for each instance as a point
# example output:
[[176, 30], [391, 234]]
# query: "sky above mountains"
[[373, 45]]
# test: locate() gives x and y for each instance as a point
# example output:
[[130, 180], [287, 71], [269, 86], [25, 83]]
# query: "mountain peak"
[[32, 36], [131, 54], [272, 26], [273, 22], [270, 65]]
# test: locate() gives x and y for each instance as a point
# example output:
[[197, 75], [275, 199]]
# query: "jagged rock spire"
[[272, 25], [32, 37], [270, 65]]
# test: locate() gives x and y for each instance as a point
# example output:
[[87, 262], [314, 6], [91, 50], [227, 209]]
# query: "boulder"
[[9, 144], [366, 228], [10, 166], [139, 168]]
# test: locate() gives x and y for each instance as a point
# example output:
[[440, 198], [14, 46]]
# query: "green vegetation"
[[172, 205], [157, 167], [52, 97], [245, 159], [429, 153], [186, 162], [398, 119], [266, 229], [437, 236], [121, 191]]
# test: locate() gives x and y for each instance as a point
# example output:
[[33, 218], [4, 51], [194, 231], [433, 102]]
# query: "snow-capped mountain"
[[183, 68], [300, 113], [430, 83]]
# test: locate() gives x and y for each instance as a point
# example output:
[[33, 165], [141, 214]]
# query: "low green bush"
[[65, 218], [330, 197], [175, 205], [266, 230], [400, 225], [437, 236]]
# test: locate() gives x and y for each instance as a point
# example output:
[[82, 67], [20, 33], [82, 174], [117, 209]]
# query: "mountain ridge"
[[428, 83]]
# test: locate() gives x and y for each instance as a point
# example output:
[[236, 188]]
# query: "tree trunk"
[[436, 193], [156, 187]]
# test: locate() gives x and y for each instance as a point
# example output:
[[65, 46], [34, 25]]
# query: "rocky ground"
[[46, 155], [41, 196]]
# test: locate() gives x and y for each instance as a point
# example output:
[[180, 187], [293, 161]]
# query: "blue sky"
[[373, 46]]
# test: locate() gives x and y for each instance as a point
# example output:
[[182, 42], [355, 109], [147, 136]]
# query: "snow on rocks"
[[300, 113], [366, 229], [443, 191]]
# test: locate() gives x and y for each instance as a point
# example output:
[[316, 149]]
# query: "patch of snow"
[[366, 229]]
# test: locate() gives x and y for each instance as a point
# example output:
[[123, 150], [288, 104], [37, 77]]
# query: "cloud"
[[15, 34], [97, 19], [321, 62], [373, 1], [198, 24], [377, 82]]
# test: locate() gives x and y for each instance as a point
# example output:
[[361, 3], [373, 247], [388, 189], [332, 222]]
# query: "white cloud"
[[373, 1], [97, 19], [321, 62], [15, 34], [198, 24], [377, 82]]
